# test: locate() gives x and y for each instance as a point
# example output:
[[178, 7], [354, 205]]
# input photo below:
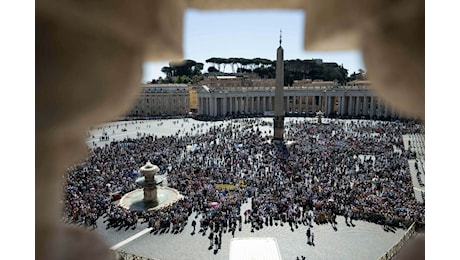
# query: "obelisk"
[[278, 121]]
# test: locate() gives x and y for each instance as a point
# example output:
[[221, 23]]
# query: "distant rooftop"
[[164, 88]]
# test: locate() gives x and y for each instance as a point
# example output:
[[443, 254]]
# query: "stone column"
[[210, 105], [224, 105], [357, 107], [246, 104], [287, 103], [257, 107], [264, 101], [301, 104], [372, 107], [306, 104], [205, 106], [341, 105], [269, 103], [238, 104], [215, 106], [313, 104], [332, 101], [230, 103], [320, 107], [252, 105], [294, 103], [365, 106], [350, 105]]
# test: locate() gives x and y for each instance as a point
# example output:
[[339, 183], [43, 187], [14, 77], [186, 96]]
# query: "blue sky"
[[248, 34]]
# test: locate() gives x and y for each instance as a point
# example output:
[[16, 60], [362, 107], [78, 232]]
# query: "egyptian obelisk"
[[278, 121]]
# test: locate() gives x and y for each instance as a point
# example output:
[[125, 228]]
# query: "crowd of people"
[[357, 169]]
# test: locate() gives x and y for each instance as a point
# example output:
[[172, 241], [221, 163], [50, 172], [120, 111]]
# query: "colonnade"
[[342, 103]]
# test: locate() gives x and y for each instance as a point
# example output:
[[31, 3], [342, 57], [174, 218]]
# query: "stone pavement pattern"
[[363, 241]]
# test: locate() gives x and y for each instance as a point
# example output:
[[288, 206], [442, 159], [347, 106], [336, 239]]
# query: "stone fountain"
[[151, 196]]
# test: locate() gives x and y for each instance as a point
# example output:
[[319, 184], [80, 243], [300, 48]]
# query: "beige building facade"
[[161, 100], [305, 97], [231, 95]]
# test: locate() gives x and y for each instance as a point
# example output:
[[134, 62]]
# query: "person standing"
[[312, 238], [308, 233], [216, 243], [211, 238], [193, 225]]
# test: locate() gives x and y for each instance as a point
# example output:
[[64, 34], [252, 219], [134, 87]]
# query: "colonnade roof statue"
[[96, 40]]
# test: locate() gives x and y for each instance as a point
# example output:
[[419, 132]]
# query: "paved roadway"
[[363, 241]]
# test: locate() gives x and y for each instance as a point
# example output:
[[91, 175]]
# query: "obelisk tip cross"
[[280, 36]]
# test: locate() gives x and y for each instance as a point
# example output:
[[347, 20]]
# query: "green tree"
[[187, 68], [212, 69]]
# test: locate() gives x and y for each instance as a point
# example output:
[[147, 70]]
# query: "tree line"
[[190, 71]]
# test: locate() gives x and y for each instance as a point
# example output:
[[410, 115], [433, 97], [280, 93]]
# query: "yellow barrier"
[[224, 186]]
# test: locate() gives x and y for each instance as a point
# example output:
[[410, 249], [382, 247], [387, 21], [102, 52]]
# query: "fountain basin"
[[134, 200]]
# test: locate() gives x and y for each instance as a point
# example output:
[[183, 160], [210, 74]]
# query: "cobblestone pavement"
[[363, 241], [167, 127]]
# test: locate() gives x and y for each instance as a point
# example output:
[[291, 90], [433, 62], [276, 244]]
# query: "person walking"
[[308, 233]]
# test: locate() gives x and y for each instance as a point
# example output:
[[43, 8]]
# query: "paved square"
[[363, 240]]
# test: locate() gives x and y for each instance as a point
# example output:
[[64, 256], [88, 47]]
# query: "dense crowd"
[[357, 169]]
